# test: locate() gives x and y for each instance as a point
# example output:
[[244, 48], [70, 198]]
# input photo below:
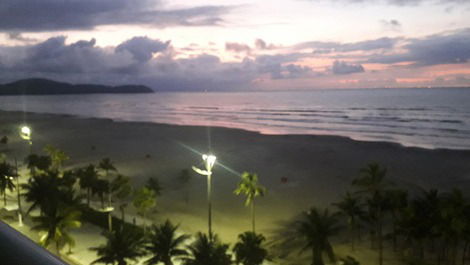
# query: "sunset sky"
[[238, 45]]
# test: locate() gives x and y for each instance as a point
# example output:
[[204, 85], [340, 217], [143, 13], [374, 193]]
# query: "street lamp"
[[209, 161], [25, 133]]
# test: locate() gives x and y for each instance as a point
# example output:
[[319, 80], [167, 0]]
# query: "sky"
[[238, 45]]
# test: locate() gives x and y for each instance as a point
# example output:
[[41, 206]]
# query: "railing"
[[16, 249]]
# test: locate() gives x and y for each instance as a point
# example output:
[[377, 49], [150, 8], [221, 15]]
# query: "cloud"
[[237, 47], [447, 48], [391, 24], [54, 15], [405, 2], [344, 68], [262, 45], [17, 36], [142, 48], [368, 45]]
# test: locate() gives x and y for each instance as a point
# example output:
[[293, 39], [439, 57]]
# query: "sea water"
[[429, 118]]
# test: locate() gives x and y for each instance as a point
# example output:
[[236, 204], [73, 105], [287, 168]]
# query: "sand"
[[318, 169]]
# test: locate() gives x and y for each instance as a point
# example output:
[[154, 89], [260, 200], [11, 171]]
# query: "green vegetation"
[[251, 189], [165, 244], [420, 227]]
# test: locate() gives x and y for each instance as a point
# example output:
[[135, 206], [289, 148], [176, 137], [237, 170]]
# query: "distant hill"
[[39, 86]]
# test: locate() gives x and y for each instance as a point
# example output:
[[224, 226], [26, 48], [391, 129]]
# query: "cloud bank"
[[55, 15]]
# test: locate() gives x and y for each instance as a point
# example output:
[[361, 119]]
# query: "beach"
[[299, 171]]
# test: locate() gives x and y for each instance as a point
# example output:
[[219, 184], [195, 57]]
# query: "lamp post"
[[25, 133], [209, 161]]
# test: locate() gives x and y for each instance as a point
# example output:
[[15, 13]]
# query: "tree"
[[144, 200], [164, 244], [122, 244], [35, 162], [55, 222], [315, 228], [122, 189], [207, 250], [154, 184], [58, 157], [351, 207], [397, 201], [47, 190], [4, 140], [251, 189], [372, 182], [101, 188], [248, 250], [106, 165], [88, 177], [7, 173]]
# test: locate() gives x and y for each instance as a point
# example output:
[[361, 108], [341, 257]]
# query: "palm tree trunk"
[[110, 221], [379, 237], [465, 246], [352, 232], [145, 227], [88, 195], [57, 248], [253, 215], [122, 214], [5, 197], [317, 258]]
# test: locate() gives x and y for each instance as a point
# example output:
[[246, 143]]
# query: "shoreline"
[[75, 116]]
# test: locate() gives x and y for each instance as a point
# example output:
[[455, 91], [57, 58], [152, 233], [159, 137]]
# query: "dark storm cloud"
[[142, 48], [327, 47], [130, 62], [51, 15], [281, 66], [449, 48], [344, 68]]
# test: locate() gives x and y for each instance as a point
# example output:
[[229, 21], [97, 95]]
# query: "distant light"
[[25, 133]]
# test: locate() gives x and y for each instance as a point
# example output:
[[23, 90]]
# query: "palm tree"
[[154, 184], [35, 162], [6, 180], [56, 222], [351, 207], [88, 177], [42, 191], [57, 156], [100, 187], [122, 189], [372, 182], [165, 244], [372, 179], [315, 228], [144, 200], [106, 165], [207, 250], [248, 249], [251, 189], [397, 201], [122, 244]]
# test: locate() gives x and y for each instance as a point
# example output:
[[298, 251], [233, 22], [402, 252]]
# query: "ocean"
[[428, 118]]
